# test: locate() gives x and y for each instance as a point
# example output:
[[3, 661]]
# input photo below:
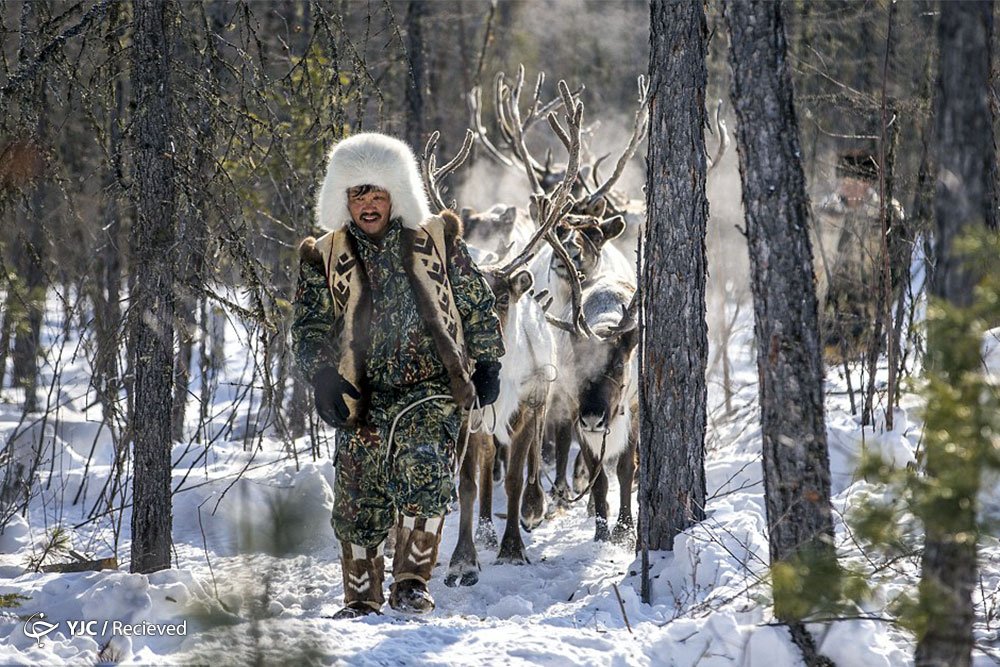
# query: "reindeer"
[[602, 271], [603, 399], [516, 422], [526, 375], [581, 261]]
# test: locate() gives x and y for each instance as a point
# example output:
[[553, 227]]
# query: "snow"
[[257, 567]]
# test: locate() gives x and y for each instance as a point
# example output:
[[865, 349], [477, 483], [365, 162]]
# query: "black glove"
[[486, 379], [329, 389]]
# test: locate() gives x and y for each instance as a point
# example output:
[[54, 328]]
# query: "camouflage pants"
[[373, 486]]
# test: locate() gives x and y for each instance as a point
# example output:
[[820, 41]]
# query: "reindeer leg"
[[512, 546], [563, 436], [464, 565], [499, 460], [533, 506], [624, 532], [581, 478], [548, 444], [599, 495], [486, 534]]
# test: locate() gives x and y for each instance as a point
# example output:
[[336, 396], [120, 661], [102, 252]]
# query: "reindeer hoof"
[[533, 508], [560, 495], [464, 574], [468, 578], [512, 558], [602, 534], [512, 551]]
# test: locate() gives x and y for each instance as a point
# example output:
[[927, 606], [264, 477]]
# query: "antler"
[[432, 175], [639, 128], [720, 128], [535, 112], [548, 209]]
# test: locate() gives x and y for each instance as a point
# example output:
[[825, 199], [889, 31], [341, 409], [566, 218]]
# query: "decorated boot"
[[417, 541], [364, 569]]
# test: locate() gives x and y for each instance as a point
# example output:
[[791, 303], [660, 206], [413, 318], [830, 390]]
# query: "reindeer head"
[[603, 360], [507, 289], [602, 388], [493, 230], [584, 238]]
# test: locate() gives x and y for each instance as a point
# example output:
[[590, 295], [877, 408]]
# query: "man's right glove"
[[329, 389], [486, 378]]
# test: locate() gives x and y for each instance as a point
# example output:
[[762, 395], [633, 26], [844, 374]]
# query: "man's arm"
[[474, 300], [314, 338]]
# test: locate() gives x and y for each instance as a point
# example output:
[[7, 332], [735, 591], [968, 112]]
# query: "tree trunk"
[[416, 89], [152, 298], [675, 340], [786, 329], [6, 324], [964, 155], [107, 309], [30, 261]]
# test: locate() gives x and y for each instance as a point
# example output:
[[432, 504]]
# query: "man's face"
[[369, 209]]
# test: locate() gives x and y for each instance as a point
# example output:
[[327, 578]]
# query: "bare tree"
[[674, 349], [193, 222], [963, 198], [789, 358], [416, 88], [152, 297], [106, 288], [31, 262]]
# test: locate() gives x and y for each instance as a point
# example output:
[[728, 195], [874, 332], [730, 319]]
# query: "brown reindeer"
[[525, 379]]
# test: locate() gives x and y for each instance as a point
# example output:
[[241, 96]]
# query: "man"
[[395, 327]]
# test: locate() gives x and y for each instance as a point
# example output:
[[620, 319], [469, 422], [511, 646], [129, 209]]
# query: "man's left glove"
[[329, 389], [486, 379]]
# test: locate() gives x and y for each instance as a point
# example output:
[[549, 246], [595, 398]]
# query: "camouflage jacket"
[[400, 358]]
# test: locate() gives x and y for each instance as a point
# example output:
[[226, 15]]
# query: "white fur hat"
[[376, 159]]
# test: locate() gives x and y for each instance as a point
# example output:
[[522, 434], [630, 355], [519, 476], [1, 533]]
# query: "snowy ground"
[[256, 563]]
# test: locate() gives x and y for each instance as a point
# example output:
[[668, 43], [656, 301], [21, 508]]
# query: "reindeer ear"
[[612, 228], [509, 216], [520, 283], [598, 208]]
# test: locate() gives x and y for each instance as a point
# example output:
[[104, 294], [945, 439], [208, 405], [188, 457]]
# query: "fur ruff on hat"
[[376, 159]]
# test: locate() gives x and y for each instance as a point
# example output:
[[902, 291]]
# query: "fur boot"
[[417, 541], [364, 571]]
